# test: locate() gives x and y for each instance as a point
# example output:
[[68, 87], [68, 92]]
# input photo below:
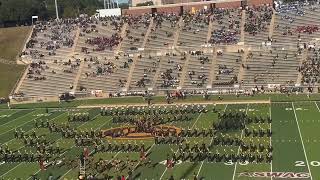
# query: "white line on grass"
[[270, 137], [59, 138], [209, 146], [241, 137], [16, 119], [165, 170], [77, 127], [317, 106], [32, 129], [75, 145], [9, 115], [304, 150], [196, 121], [10, 170], [24, 146], [72, 168]]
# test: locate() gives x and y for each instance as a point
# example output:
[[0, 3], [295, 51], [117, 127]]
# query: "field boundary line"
[[241, 137], [181, 103], [304, 150], [209, 145]]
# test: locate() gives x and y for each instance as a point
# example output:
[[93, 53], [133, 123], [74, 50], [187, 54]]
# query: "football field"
[[295, 140]]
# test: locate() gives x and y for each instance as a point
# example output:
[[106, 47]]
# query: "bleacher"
[[227, 69], [271, 67], [52, 69], [59, 51]]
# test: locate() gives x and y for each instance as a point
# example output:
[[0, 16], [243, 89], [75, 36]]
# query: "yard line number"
[[302, 163]]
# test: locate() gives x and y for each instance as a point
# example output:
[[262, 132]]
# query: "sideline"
[[181, 103]]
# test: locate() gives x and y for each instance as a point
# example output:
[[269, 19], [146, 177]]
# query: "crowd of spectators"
[[258, 19], [228, 30], [310, 67]]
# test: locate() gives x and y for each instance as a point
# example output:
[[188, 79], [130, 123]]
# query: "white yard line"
[[165, 170], [24, 146], [10, 170], [65, 174], [75, 145], [196, 121], [96, 129], [304, 150], [32, 129], [34, 173], [61, 138], [77, 127], [270, 136], [73, 168], [317, 106], [209, 145], [16, 111], [241, 137], [16, 119]]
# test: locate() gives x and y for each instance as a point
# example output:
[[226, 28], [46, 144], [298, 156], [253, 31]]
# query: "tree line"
[[19, 12]]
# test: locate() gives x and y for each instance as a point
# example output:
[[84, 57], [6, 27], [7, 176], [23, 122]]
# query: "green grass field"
[[295, 140], [12, 40], [11, 44], [9, 74]]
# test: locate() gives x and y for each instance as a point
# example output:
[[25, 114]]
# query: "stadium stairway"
[[242, 69], [157, 74], [271, 26], [210, 27], [76, 80], [76, 39], [212, 75], [184, 70], [304, 57], [123, 34], [243, 21], [129, 77], [147, 33], [177, 33], [24, 75]]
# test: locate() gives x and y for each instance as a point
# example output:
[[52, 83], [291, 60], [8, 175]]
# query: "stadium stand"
[[206, 49]]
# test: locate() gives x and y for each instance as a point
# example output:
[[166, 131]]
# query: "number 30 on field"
[[302, 163]]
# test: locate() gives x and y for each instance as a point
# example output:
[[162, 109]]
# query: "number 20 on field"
[[302, 163]]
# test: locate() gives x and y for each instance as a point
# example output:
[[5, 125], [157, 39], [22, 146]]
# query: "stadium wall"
[[194, 6], [229, 5], [259, 2]]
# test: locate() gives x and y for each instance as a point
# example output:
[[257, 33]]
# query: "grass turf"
[[295, 140], [9, 74], [11, 42]]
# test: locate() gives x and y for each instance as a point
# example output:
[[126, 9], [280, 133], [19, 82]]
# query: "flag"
[[142, 155], [86, 153], [169, 163], [41, 164]]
